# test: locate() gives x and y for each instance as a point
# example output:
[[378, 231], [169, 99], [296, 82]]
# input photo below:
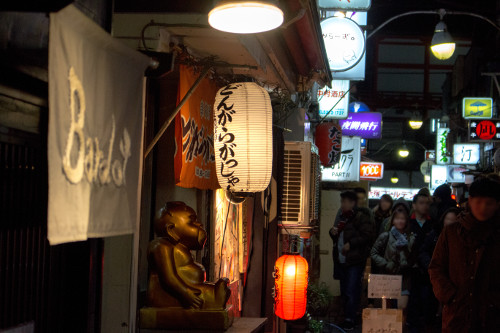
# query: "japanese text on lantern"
[[224, 115]]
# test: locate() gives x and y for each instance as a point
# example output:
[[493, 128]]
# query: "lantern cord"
[[333, 107], [250, 253], [223, 237], [176, 110]]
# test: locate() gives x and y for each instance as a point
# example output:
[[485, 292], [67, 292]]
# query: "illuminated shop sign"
[[347, 169], [394, 192], [345, 4], [477, 108], [344, 42], [334, 103], [441, 144], [371, 170], [466, 153], [484, 130], [443, 174], [355, 107], [367, 125]]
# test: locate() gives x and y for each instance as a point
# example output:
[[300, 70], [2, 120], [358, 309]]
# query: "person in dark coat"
[[465, 269], [383, 210], [449, 217], [422, 304], [441, 201], [352, 235]]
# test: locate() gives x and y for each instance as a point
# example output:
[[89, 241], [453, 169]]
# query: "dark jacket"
[[391, 259], [427, 249], [379, 216], [358, 232], [465, 275], [420, 232]]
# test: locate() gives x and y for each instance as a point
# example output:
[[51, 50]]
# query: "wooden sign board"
[[378, 320], [384, 286]]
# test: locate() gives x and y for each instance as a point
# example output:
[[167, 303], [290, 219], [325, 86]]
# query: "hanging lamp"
[[245, 17], [442, 44], [290, 286], [243, 141]]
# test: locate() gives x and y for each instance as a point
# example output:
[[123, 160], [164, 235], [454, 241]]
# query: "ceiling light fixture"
[[245, 17], [394, 178], [442, 44], [404, 152], [415, 124]]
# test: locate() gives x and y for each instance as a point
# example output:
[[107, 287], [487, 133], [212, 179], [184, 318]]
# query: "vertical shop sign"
[[334, 102], [441, 146], [329, 143], [466, 153], [194, 161], [347, 169]]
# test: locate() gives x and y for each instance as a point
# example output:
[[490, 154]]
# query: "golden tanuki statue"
[[178, 296]]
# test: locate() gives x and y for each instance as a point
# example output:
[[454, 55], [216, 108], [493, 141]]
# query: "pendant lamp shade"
[[290, 285], [244, 17], [243, 141], [442, 44]]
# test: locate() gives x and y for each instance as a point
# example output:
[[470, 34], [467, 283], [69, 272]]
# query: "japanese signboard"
[[484, 130], [367, 125], [395, 192], [382, 320], [328, 140], [466, 153], [344, 42], [334, 103], [441, 146], [438, 175], [347, 169], [430, 155], [371, 170], [345, 4], [477, 108], [194, 161], [384, 286]]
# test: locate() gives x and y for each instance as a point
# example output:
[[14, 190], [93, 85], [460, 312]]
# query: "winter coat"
[[358, 232], [427, 249], [420, 232], [386, 223], [465, 275], [379, 216], [392, 260]]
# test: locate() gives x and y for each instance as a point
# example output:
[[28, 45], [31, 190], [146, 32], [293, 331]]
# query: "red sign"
[[194, 161], [328, 140], [484, 130], [371, 170]]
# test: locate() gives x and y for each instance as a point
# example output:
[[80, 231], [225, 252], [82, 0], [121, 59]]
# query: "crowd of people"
[[448, 256]]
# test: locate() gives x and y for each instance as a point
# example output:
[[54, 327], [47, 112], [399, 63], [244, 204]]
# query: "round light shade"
[[415, 124], [290, 285], [243, 141], [442, 44], [404, 152], [245, 17], [394, 179]]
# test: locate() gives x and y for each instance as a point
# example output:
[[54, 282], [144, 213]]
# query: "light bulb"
[[394, 179], [415, 124], [403, 152], [442, 44]]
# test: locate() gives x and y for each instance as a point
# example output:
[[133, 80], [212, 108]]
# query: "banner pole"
[[176, 110]]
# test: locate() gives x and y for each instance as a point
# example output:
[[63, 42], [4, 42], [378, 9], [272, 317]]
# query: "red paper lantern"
[[290, 287], [329, 143]]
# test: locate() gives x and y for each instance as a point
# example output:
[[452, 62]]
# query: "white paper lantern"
[[243, 139]]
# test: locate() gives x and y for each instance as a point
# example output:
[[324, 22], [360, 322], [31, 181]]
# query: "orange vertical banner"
[[194, 161]]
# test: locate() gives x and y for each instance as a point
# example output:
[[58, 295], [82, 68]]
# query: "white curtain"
[[95, 130]]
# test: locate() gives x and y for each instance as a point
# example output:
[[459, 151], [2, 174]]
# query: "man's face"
[[361, 198], [421, 206], [483, 208], [347, 204]]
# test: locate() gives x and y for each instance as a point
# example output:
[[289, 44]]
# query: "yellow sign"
[[477, 108]]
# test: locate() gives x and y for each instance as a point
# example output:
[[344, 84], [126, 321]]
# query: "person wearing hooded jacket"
[[441, 202], [465, 270], [400, 204]]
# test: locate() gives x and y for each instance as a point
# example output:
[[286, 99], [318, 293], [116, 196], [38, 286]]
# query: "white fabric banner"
[[95, 130]]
